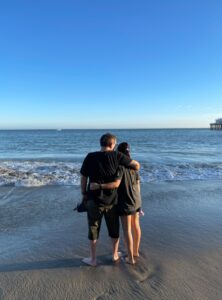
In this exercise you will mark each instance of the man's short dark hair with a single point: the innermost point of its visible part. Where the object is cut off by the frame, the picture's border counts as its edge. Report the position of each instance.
(107, 139)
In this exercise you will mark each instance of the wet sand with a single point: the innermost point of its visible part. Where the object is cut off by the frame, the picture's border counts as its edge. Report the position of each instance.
(42, 242)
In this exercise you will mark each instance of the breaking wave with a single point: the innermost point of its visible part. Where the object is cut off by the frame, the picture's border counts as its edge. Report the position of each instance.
(36, 173)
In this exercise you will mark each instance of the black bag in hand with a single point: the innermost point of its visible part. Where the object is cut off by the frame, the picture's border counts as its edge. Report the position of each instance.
(81, 207)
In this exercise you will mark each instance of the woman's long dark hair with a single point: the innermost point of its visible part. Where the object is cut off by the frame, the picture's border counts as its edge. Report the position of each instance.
(124, 148)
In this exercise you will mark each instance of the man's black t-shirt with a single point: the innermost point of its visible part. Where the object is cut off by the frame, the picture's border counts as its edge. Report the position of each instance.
(101, 167)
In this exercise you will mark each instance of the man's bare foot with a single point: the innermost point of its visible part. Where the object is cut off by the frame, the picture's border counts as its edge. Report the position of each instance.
(129, 261)
(136, 254)
(89, 261)
(117, 256)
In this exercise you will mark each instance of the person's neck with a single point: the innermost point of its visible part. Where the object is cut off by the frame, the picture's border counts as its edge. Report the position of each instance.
(106, 149)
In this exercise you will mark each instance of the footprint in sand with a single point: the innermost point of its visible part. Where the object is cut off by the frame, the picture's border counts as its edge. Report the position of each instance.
(151, 276)
(140, 272)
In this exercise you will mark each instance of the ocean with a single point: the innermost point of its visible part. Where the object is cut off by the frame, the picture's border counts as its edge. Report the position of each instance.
(54, 157)
(43, 241)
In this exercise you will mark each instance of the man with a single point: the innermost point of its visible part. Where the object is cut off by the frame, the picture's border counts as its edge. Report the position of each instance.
(101, 167)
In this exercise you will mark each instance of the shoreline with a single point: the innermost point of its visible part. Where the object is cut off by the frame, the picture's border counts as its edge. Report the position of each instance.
(43, 242)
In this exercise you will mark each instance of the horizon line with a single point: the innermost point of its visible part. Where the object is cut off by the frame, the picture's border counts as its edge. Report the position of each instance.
(123, 128)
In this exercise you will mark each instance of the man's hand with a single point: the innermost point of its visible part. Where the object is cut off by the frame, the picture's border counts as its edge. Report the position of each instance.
(94, 186)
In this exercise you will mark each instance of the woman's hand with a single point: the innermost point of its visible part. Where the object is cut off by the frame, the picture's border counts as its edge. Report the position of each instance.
(94, 186)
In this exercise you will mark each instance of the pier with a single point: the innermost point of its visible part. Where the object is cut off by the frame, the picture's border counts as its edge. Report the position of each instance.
(217, 125)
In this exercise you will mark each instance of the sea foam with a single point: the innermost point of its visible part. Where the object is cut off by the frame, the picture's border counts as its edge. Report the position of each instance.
(39, 173)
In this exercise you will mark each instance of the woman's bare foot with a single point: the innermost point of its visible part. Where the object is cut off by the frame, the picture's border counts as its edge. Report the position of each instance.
(129, 261)
(89, 261)
(136, 254)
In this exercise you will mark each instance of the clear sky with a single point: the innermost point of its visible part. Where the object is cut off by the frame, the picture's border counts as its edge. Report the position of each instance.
(110, 64)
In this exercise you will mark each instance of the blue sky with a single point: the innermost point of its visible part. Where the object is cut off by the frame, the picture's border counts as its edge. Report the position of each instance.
(110, 64)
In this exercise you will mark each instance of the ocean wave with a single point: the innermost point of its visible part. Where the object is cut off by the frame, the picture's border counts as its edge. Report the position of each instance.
(35, 173)
(39, 173)
(183, 171)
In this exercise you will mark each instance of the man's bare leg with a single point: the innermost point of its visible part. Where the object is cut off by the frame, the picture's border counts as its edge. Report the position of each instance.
(115, 244)
(91, 261)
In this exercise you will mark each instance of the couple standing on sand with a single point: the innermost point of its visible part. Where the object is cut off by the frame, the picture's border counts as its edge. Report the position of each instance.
(102, 172)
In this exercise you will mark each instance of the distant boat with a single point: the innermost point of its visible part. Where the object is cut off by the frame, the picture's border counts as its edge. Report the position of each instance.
(59, 129)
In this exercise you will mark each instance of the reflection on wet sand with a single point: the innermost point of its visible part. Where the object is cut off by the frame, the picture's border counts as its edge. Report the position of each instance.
(43, 241)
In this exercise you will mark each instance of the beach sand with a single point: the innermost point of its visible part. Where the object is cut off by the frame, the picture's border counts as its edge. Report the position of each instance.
(42, 242)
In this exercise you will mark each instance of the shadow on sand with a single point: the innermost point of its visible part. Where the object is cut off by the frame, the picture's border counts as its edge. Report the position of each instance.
(40, 265)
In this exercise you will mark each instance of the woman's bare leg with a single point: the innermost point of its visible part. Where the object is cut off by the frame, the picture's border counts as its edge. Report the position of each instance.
(126, 224)
(136, 233)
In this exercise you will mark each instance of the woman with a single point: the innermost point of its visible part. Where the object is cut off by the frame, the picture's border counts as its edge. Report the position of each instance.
(129, 204)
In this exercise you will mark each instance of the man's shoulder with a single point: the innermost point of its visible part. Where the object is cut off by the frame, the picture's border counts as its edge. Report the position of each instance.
(92, 154)
(101, 154)
(112, 153)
